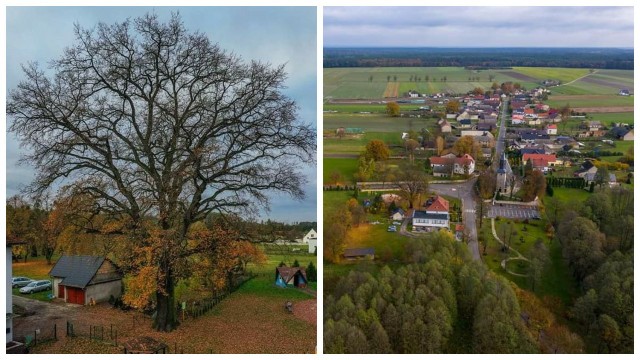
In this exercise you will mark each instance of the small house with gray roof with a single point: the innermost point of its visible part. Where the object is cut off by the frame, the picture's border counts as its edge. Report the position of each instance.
(85, 279)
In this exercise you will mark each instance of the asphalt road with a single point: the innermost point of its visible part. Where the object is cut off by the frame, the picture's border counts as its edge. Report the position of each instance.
(501, 134)
(464, 192)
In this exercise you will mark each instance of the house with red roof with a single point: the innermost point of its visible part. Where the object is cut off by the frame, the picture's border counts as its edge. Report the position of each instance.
(552, 129)
(450, 164)
(434, 217)
(541, 162)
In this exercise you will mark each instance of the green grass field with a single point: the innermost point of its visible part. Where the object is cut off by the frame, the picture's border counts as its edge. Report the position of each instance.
(589, 101)
(565, 75)
(376, 122)
(346, 167)
(349, 145)
(263, 284)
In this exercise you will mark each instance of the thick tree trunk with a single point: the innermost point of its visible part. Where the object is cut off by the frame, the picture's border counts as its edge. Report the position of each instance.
(166, 316)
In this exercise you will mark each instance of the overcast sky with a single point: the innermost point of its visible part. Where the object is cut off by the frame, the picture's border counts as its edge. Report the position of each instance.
(478, 26)
(277, 35)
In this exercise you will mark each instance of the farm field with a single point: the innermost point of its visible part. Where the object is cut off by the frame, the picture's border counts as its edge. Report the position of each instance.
(371, 83)
(376, 122)
(590, 101)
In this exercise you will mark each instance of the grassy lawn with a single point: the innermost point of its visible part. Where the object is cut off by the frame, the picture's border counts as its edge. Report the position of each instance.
(346, 167)
(354, 145)
(42, 295)
(568, 195)
(331, 200)
(35, 268)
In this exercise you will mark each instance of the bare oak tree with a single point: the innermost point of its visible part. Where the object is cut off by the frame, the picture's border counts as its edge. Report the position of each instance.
(155, 122)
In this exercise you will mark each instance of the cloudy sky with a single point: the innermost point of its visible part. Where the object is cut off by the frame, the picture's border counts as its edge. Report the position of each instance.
(277, 35)
(478, 26)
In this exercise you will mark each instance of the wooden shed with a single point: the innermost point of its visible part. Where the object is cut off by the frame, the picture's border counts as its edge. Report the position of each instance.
(85, 279)
(291, 276)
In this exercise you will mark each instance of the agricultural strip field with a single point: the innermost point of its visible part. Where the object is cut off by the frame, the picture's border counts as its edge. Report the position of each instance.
(372, 83)
(377, 83)
(565, 75)
(377, 122)
(591, 101)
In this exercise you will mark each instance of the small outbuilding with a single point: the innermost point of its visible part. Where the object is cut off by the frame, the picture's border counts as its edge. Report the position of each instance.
(85, 279)
(359, 254)
(397, 215)
(291, 276)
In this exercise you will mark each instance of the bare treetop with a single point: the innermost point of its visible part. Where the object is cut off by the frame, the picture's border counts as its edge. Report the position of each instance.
(150, 118)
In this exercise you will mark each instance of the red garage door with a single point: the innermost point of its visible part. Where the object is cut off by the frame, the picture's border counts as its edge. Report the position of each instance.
(75, 296)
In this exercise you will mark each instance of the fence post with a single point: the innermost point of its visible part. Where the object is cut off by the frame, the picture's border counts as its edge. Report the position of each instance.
(102, 327)
(35, 338)
(116, 337)
(111, 331)
(55, 331)
(90, 330)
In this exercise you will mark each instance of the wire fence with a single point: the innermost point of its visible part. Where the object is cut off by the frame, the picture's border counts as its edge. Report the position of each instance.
(202, 307)
(39, 336)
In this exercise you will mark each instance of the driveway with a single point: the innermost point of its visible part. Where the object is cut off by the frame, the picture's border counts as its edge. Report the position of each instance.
(41, 315)
(464, 192)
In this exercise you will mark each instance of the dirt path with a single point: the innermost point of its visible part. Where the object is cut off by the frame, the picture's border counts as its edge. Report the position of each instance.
(504, 262)
(581, 77)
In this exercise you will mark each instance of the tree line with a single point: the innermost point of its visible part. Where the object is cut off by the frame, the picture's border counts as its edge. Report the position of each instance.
(597, 243)
(415, 307)
(487, 58)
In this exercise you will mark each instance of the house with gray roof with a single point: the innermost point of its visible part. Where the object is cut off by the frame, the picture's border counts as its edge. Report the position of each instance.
(85, 279)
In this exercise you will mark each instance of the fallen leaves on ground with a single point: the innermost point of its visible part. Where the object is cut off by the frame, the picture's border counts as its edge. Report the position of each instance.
(242, 323)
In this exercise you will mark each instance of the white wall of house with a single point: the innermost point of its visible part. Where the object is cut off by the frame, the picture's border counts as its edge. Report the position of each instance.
(9, 295)
(313, 244)
(310, 235)
(101, 292)
(55, 283)
(397, 216)
(418, 222)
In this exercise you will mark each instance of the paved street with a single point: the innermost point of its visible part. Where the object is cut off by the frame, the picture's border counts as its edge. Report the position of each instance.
(464, 192)
(514, 211)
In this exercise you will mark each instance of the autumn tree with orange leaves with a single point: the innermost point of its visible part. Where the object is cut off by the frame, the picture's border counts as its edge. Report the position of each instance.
(160, 128)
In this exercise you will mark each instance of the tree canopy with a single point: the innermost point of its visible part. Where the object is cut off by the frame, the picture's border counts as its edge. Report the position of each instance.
(150, 120)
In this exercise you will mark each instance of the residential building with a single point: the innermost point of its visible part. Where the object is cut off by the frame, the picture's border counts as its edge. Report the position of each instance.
(11, 345)
(450, 164)
(311, 235)
(541, 162)
(434, 217)
(445, 127)
(552, 129)
(397, 215)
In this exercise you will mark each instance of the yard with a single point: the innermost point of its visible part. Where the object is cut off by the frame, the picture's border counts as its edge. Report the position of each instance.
(250, 320)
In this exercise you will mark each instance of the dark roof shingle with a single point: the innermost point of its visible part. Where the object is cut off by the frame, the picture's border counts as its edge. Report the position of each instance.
(77, 271)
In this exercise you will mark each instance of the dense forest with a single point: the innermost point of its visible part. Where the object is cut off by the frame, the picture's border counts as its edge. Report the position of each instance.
(440, 300)
(480, 58)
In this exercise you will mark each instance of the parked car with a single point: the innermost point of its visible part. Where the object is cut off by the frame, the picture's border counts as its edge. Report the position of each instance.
(391, 228)
(20, 281)
(36, 286)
